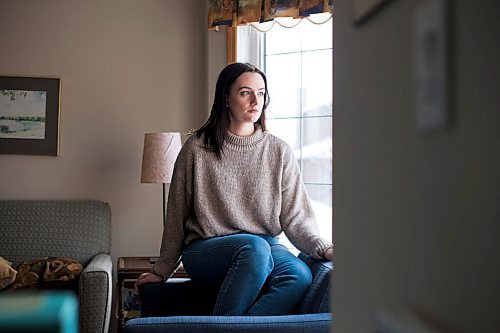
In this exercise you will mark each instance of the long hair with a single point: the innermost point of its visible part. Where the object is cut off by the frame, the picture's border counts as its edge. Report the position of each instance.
(216, 126)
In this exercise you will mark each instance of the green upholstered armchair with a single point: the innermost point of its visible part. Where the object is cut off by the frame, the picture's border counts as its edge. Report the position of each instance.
(76, 229)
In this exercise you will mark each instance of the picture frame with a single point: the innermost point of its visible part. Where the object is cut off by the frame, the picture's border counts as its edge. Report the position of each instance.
(29, 115)
(365, 9)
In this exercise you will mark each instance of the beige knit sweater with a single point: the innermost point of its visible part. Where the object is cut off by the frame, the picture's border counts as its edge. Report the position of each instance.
(256, 188)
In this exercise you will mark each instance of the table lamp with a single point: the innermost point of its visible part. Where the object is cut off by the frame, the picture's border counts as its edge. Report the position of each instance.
(158, 158)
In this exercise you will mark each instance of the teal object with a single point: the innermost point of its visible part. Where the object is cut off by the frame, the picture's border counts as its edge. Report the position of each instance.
(43, 312)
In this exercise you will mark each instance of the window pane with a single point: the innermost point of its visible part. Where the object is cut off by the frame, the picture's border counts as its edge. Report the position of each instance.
(317, 36)
(282, 40)
(298, 66)
(288, 130)
(317, 83)
(317, 150)
(283, 75)
(321, 198)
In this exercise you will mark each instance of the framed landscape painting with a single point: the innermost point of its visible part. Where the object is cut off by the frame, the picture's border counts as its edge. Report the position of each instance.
(29, 115)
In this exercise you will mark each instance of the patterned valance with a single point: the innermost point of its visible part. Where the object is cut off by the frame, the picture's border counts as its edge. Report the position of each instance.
(242, 12)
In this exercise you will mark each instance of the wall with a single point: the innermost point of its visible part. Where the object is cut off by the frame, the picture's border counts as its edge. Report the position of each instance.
(217, 60)
(416, 215)
(127, 68)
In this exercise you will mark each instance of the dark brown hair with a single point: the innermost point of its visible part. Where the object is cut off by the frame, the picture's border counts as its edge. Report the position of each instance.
(215, 128)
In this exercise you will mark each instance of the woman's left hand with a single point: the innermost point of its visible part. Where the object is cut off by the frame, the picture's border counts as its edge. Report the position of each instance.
(328, 254)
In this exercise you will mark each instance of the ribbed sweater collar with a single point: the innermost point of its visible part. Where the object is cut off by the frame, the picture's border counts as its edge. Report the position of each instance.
(244, 143)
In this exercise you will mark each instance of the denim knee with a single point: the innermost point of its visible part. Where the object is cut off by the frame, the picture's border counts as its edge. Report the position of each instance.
(302, 277)
(255, 253)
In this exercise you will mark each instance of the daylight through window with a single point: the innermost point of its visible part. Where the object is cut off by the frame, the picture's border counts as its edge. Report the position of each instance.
(298, 64)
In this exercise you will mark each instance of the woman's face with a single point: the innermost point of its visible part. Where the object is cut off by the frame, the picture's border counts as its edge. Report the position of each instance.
(246, 99)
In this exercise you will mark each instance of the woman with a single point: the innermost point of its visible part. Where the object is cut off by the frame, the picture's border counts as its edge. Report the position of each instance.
(235, 188)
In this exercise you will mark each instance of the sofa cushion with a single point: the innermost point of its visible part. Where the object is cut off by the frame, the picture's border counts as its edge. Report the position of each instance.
(77, 229)
(7, 273)
(316, 322)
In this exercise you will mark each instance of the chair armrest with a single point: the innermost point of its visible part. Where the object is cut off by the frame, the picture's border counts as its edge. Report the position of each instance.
(317, 322)
(317, 298)
(176, 297)
(95, 290)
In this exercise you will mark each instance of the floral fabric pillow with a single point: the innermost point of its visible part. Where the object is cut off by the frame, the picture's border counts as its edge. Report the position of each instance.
(7, 273)
(29, 274)
(48, 273)
(61, 273)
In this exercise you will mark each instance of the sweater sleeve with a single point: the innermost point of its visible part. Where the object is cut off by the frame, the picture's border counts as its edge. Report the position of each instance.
(179, 208)
(297, 216)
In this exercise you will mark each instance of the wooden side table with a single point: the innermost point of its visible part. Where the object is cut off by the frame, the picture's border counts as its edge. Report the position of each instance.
(128, 270)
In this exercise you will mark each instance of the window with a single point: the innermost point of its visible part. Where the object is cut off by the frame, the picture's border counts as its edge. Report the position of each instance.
(298, 64)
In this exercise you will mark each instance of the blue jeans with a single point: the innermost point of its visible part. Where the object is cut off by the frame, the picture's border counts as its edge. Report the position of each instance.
(256, 274)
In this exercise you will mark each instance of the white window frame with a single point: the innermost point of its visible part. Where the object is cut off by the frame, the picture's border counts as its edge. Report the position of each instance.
(247, 46)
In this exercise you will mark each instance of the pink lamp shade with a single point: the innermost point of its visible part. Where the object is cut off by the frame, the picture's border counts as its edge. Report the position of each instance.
(159, 155)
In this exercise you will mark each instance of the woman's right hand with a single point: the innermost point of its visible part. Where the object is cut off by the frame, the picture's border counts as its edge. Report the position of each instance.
(329, 253)
(147, 278)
